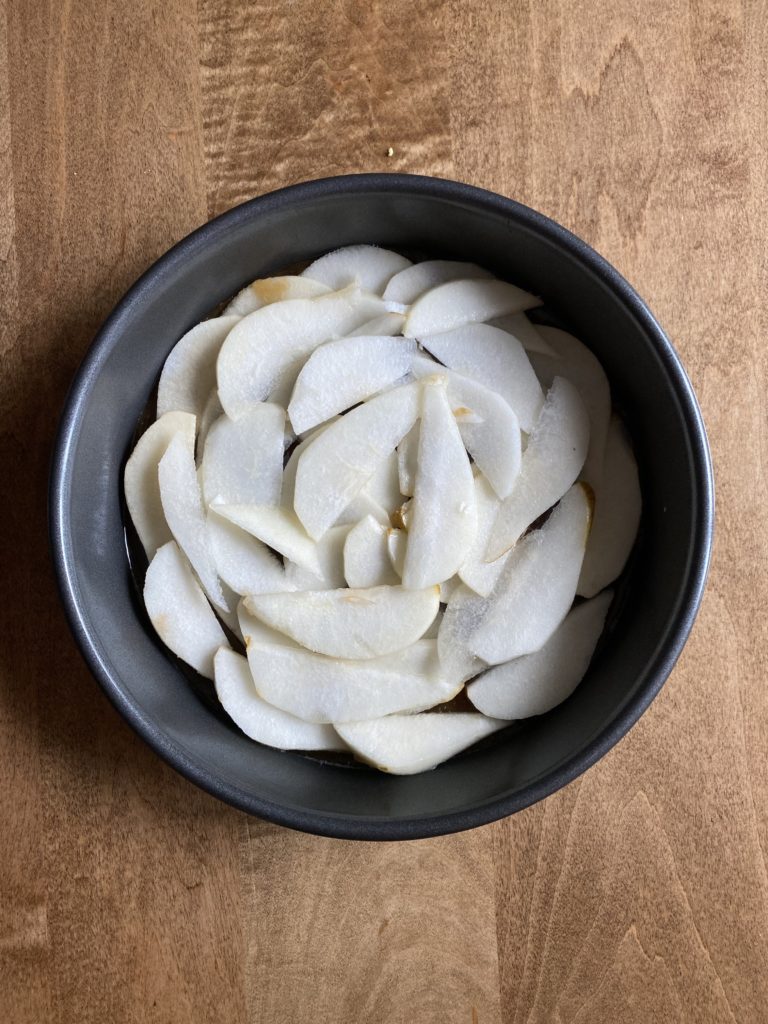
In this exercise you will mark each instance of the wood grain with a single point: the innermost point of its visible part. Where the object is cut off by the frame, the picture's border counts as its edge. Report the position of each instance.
(640, 893)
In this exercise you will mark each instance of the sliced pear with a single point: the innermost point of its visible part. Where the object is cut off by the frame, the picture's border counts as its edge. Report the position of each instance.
(365, 265)
(264, 352)
(141, 484)
(397, 542)
(443, 513)
(276, 527)
(339, 462)
(407, 744)
(618, 505)
(528, 334)
(478, 574)
(343, 373)
(350, 623)
(461, 302)
(178, 610)
(254, 631)
(538, 682)
(464, 613)
(330, 555)
(434, 629)
(537, 585)
(411, 283)
(495, 359)
(387, 325)
(407, 454)
(185, 515)
(211, 412)
(319, 689)
(243, 458)
(360, 507)
(488, 426)
(384, 485)
(245, 564)
(189, 373)
(366, 556)
(259, 720)
(551, 462)
(267, 290)
(447, 588)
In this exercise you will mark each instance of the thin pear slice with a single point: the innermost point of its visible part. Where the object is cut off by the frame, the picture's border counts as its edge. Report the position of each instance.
(478, 574)
(537, 585)
(495, 359)
(365, 265)
(407, 454)
(141, 484)
(488, 426)
(189, 373)
(340, 461)
(245, 564)
(319, 689)
(185, 515)
(397, 543)
(387, 325)
(574, 361)
(463, 616)
(266, 290)
(259, 720)
(349, 623)
(443, 513)
(407, 744)
(538, 682)
(330, 555)
(254, 631)
(178, 610)
(211, 412)
(343, 373)
(411, 283)
(278, 528)
(384, 485)
(366, 556)
(461, 302)
(264, 352)
(243, 458)
(551, 462)
(528, 334)
(618, 504)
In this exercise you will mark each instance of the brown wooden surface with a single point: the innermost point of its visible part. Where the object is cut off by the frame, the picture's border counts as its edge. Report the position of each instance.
(639, 894)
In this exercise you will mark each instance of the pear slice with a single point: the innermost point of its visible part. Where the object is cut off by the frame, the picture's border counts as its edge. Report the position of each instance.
(411, 283)
(488, 426)
(495, 359)
(365, 265)
(538, 682)
(254, 631)
(387, 325)
(319, 689)
(259, 720)
(266, 290)
(461, 302)
(339, 462)
(330, 555)
(185, 515)
(618, 505)
(349, 623)
(189, 373)
(464, 613)
(276, 527)
(407, 744)
(551, 462)
(141, 485)
(178, 610)
(366, 556)
(443, 514)
(478, 574)
(537, 585)
(407, 454)
(211, 412)
(243, 458)
(528, 334)
(264, 351)
(574, 361)
(243, 563)
(343, 373)
(384, 485)
(397, 542)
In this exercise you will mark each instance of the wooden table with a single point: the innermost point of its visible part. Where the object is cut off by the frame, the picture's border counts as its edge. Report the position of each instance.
(639, 893)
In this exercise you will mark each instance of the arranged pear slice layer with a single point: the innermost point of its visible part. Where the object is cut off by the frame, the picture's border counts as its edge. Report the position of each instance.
(243, 459)
(617, 514)
(262, 721)
(349, 623)
(407, 744)
(366, 556)
(538, 682)
(551, 462)
(178, 610)
(189, 372)
(443, 514)
(277, 528)
(365, 265)
(243, 563)
(141, 484)
(320, 689)
(342, 373)
(462, 302)
(339, 462)
(411, 283)
(266, 290)
(538, 584)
